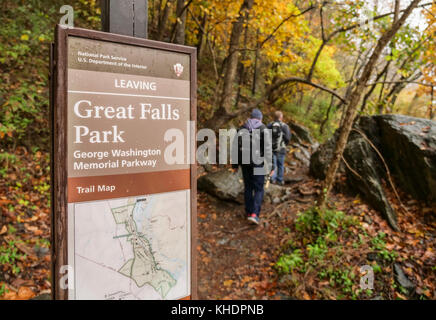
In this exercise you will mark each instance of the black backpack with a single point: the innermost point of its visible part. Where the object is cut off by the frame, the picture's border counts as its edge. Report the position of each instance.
(246, 148)
(277, 136)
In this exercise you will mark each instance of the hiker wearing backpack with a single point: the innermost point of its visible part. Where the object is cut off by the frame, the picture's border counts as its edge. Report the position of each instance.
(255, 158)
(281, 135)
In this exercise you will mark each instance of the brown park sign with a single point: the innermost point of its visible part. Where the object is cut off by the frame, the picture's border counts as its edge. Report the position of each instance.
(124, 206)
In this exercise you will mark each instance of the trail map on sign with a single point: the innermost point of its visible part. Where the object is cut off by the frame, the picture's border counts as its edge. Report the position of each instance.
(138, 245)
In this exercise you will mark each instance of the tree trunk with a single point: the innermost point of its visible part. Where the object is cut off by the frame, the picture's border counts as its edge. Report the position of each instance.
(153, 13)
(391, 97)
(381, 100)
(180, 23)
(353, 101)
(156, 20)
(225, 104)
(233, 56)
(256, 58)
(326, 119)
(300, 100)
(430, 107)
(310, 103)
(412, 103)
(369, 93)
(201, 36)
(164, 19)
(241, 69)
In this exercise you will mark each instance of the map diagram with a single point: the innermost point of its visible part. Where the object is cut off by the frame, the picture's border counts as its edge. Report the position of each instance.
(132, 248)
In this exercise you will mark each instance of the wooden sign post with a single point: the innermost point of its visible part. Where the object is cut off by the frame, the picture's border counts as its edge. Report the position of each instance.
(123, 197)
(127, 17)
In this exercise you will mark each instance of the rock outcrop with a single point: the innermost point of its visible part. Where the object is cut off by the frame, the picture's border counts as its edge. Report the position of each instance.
(223, 184)
(408, 146)
(228, 186)
(301, 134)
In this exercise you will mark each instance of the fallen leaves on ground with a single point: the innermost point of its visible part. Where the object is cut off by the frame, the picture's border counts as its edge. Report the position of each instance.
(237, 264)
(25, 226)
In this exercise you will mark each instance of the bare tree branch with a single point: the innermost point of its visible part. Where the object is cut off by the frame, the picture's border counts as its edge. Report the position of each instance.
(283, 22)
(322, 24)
(282, 82)
(348, 28)
(404, 81)
(353, 26)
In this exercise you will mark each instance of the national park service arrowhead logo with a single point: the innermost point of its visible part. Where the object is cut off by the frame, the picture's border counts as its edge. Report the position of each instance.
(178, 69)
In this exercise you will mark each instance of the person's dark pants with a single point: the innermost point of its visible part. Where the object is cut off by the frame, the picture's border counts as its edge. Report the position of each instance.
(279, 165)
(253, 194)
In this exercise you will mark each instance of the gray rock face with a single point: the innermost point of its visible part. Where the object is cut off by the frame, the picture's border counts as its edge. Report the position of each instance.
(44, 296)
(408, 146)
(41, 251)
(402, 279)
(228, 186)
(321, 158)
(301, 154)
(223, 184)
(274, 191)
(302, 134)
(361, 157)
(293, 179)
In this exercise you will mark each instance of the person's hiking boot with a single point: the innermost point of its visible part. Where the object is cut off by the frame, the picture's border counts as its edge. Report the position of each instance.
(253, 218)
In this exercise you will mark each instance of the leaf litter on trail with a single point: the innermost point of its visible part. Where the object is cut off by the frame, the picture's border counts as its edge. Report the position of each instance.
(250, 266)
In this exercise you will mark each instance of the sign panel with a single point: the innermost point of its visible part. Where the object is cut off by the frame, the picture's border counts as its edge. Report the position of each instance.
(123, 195)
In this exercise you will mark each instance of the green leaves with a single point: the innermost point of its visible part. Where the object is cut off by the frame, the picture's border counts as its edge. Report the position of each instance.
(318, 250)
(9, 255)
(288, 262)
(27, 30)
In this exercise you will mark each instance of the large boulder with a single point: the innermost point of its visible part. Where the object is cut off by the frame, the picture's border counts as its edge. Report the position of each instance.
(301, 134)
(301, 153)
(321, 158)
(408, 146)
(223, 184)
(227, 185)
(366, 178)
(302, 144)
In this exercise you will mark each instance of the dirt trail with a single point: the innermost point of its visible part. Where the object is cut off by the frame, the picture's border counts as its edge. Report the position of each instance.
(235, 258)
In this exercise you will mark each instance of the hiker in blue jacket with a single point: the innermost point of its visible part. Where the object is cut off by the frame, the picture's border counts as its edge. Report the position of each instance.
(281, 135)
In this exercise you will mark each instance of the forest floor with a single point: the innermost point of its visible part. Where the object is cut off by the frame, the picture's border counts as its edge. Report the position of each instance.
(240, 261)
(236, 258)
(275, 260)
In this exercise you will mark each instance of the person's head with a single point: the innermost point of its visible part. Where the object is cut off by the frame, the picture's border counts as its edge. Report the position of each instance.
(256, 114)
(278, 116)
